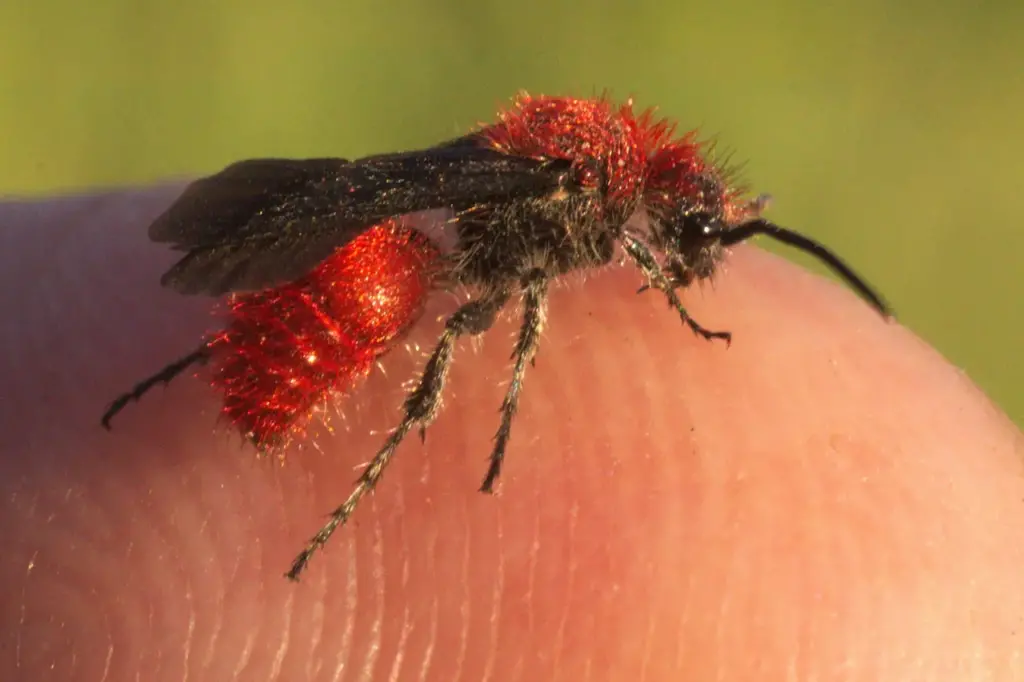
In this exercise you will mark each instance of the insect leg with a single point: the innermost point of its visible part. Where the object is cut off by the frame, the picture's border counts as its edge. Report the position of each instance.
(647, 263)
(535, 294)
(164, 376)
(420, 408)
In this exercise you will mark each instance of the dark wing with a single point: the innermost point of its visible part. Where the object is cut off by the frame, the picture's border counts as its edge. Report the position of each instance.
(265, 222)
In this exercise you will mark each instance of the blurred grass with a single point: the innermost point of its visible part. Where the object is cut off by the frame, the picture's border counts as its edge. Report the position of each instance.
(891, 132)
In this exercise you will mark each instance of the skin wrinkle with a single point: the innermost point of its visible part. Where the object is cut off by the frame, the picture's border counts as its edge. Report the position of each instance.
(435, 607)
(285, 639)
(564, 607)
(189, 635)
(106, 664)
(494, 618)
(925, 503)
(343, 652)
(405, 551)
(531, 581)
(465, 605)
(245, 655)
(211, 647)
(377, 585)
(314, 662)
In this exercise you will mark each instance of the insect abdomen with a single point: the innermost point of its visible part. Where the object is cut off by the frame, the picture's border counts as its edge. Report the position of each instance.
(287, 350)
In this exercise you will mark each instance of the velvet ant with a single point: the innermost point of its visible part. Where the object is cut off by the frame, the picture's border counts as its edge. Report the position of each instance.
(326, 275)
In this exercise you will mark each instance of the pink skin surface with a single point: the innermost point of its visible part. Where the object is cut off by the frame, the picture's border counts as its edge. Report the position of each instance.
(825, 500)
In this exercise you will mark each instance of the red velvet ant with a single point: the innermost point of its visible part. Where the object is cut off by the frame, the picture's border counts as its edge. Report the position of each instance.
(326, 275)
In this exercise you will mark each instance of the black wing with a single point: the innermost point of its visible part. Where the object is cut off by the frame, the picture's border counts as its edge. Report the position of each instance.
(265, 222)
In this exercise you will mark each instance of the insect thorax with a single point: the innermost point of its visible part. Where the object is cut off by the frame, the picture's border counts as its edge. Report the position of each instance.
(555, 234)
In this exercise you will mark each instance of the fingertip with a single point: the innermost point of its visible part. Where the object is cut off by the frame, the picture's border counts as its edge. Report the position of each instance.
(664, 499)
(804, 468)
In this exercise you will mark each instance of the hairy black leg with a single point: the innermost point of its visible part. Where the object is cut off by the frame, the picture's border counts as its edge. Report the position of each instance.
(646, 261)
(164, 376)
(420, 408)
(674, 274)
(535, 293)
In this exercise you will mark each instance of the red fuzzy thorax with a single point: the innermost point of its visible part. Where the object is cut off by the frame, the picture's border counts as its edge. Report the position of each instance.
(639, 154)
(588, 132)
(287, 351)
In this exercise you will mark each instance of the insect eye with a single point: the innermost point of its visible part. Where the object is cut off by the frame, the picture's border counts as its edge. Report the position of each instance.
(687, 229)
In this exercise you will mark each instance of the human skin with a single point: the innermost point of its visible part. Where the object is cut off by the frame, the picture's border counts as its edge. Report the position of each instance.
(827, 499)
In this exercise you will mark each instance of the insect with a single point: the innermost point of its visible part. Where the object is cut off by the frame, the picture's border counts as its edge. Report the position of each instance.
(326, 273)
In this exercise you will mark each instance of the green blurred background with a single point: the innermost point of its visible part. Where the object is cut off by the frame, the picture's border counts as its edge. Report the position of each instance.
(890, 131)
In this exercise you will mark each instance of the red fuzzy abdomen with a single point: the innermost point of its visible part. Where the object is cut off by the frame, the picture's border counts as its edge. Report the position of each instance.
(287, 351)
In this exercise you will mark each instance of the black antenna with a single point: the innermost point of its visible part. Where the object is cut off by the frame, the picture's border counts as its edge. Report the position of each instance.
(743, 232)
